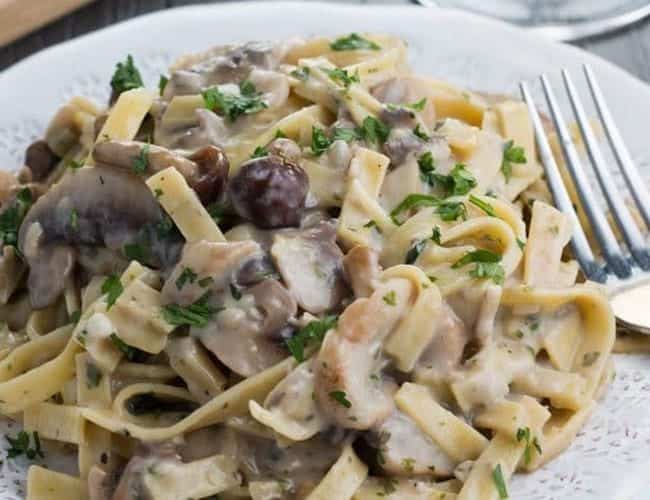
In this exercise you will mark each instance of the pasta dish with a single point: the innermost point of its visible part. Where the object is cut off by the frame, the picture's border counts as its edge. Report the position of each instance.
(295, 270)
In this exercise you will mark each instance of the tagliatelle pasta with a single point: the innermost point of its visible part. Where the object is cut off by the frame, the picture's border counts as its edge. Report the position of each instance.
(298, 271)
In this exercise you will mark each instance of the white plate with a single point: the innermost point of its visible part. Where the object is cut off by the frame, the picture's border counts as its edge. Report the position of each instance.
(611, 456)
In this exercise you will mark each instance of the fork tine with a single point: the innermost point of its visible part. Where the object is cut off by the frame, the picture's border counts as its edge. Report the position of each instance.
(631, 173)
(579, 243)
(611, 249)
(624, 220)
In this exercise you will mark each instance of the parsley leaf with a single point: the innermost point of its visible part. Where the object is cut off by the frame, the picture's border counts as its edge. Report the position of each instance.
(162, 84)
(217, 211)
(112, 286)
(301, 73)
(427, 166)
(524, 434)
(511, 154)
(20, 445)
(390, 298)
(12, 217)
(312, 333)
(135, 251)
(130, 352)
(353, 41)
(590, 358)
(414, 201)
(346, 134)
(483, 205)
(415, 251)
(421, 134)
(342, 77)
(319, 141)
(460, 180)
(487, 265)
(73, 164)
(186, 276)
(197, 314)
(499, 483)
(521, 244)
(259, 152)
(126, 77)
(435, 237)
(248, 101)
(340, 398)
(451, 210)
(374, 130)
(235, 291)
(141, 162)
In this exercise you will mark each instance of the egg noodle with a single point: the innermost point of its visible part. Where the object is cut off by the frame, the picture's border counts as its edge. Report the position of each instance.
(295, 270)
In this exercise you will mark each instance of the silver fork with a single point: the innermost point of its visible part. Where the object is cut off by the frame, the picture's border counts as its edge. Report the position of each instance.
(626, 270)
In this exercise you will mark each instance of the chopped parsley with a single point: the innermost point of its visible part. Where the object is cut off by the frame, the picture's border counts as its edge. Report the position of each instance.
(301, 73)
(20, 445)
(346, 134)
(372, 223)
(499, 483)
(130, 352)
(74, 219)
(186, 276)
(419, 133)
(12, 217)
(374, 130)
(483, 205)
(207, 281)
(141, 162)
(521, 244)
(231, 105)
(417, 106)
(415, 251)
(590, 358)
(126, 77)
(136, 251)
(280, 135)
(73, 164)
(196, 314)
(217, 211)
(162, 84)
(487, 265)
(93, 375)
(319, 141)
(353, 41)
(312, 333)
(451, 210)
(259, 152)
(524, 434)
(113, 288)
(75, 317)
(435, 237)
(235, 292)
(390, 298)
(340, 398)
(511, 154)
(460, 181)
(408, 464)
(342, 77)
(427, 167)
(414, 201)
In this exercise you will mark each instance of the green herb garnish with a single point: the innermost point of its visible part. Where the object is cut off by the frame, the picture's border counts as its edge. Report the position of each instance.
(231, 105)
(319, 141)
(435, 237)
(346, 134)
(340, 398)
(342, 77)
(427, 167)
(590, 358)
(113, 288)
(135, 251)
(141, 162)
(73, 164)
(259, 152)
(197, 314)
(301, 73)
(126, 77)
(499, 483)
(20, 446)
(310, 334)
(524, 434)
(12, 217)
(353, 41)
(374, 130)
(415, 251)
(511, 154)
(390, 298)
(483, 205)
(521, 244)
(421, 134)
(487, 265)
(235, 291)
(162, 84)
(130, 352)
(186, 276)
(451, 210)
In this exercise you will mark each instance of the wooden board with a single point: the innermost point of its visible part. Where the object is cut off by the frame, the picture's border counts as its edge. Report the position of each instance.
(19, 17)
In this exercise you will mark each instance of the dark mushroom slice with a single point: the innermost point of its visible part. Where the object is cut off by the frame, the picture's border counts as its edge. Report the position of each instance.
(310, 263)
(40, 160)
(244, 336)
(91, 207)
(404, 450)
(269, 191)
(285, 148)
(206, 170)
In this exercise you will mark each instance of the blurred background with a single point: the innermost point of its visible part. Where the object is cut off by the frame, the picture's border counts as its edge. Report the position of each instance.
(618, 30)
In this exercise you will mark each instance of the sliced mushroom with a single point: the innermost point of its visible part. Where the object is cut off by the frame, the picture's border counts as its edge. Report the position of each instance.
(407, 451)
(206, 170)
(285, 148)
(310, 263)
(40, 159)
(400, 144)
(348, 384)
(244, 336)
(362, 269)
(206, 266)
(94, 206)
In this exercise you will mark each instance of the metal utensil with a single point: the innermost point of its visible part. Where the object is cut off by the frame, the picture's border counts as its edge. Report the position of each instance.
(572, 31)
(626, 273)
